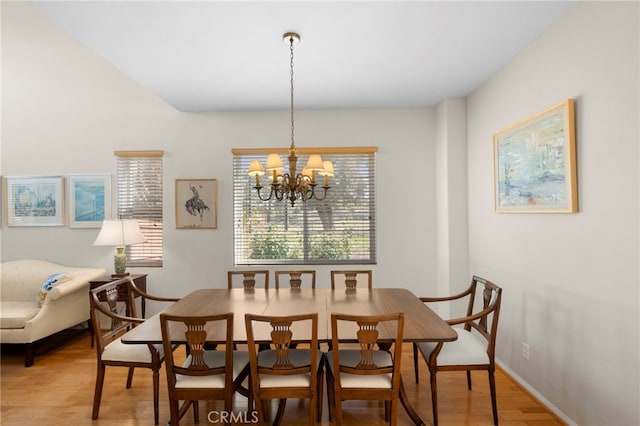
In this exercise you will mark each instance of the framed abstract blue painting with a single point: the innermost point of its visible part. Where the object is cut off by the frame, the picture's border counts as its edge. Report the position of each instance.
(89, 200)
(534, 163)
(34, 200)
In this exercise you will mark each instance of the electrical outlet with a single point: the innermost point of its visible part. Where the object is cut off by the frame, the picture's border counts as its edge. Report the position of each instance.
(526, 351)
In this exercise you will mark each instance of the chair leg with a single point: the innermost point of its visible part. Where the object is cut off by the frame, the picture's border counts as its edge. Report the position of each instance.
(97, 394)
(174, 408)
(394, 412)
(320, 391)
(130, 377)
(494, 403)
(156, 393)
(338, 411)
(469, 379)
(434, 398)
(313, 410)
(415, 362)
(266, 408)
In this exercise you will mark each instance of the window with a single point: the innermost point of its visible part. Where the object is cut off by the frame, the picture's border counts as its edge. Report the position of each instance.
(339, 229)
(139, 183)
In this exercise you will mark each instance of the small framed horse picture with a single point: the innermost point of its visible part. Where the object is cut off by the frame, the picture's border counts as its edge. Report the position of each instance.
(196, 203)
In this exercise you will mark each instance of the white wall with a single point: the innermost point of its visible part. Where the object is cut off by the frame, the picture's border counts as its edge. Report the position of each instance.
(570, 280)
(71, 108)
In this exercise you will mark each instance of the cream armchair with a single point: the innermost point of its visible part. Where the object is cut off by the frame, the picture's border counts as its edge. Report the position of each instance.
(23, 319)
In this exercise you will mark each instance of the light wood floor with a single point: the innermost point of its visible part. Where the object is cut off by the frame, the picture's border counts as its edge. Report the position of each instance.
(58, 390)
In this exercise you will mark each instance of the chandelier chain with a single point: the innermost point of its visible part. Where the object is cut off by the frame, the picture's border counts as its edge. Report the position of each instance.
(291, 87)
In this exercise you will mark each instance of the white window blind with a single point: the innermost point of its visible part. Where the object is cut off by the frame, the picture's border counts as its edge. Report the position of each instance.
(338, 230)
(139, 184)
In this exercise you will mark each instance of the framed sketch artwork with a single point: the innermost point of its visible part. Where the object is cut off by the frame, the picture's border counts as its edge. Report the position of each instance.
(535, 163)
(89, 200)
(196, 203)
(34, 201)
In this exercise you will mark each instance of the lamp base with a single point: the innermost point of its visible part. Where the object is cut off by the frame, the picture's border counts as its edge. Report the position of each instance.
(120, 261)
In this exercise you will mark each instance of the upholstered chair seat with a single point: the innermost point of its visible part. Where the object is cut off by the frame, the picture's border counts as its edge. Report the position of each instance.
(468, 349)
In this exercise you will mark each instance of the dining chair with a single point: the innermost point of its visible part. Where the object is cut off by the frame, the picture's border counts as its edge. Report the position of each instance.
(296, 278)
(475, 347)
(204, 375)
(104, 311)
(248, 279)
(351, 279)
(364, 373)
(283, 372)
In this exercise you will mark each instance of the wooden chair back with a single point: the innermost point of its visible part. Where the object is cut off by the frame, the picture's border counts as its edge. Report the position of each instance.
(205, 375)
(248, 279)
(376, 362)
(483, 299)
(351, 279)
(281, 372)
(296, 278)
(106, 304)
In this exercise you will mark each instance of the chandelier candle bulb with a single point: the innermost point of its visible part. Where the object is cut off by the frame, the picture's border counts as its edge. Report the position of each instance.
(327, 171)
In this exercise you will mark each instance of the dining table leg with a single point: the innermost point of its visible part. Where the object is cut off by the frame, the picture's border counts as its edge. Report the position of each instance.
(404, 400)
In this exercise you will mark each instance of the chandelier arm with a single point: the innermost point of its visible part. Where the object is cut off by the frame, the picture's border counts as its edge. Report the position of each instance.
(324, 195)
(279, 191)
(258, 189)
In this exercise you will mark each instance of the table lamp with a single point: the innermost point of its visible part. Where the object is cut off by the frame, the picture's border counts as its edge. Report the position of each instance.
(119, 233)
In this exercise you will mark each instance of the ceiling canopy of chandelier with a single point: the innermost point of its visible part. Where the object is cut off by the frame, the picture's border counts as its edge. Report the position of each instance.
(292, 186)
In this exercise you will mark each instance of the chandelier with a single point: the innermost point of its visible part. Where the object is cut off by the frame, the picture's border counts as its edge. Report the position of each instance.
(292, 186)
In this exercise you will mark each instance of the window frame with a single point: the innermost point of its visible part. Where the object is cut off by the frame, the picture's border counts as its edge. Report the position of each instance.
(242, 156)
(150, 253)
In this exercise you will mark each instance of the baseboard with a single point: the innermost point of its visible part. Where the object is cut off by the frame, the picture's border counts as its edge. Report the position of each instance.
(562, 417)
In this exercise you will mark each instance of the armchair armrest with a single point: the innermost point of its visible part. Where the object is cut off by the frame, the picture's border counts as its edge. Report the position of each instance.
(464, 320)
(113, 315)
(134, 288)
(446, 298)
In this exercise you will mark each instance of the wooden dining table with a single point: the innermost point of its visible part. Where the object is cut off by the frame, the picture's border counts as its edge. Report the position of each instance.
(421, 324)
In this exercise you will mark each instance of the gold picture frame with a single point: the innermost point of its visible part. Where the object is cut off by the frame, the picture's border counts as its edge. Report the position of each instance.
(535, 163)
(196, 203)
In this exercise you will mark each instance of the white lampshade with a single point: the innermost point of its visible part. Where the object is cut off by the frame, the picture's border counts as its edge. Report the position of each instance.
(315, 162)
(274, 162)
(255, 168)
(122, 232)
(327, 169)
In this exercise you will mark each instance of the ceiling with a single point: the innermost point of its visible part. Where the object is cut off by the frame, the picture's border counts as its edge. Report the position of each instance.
(230, 56)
